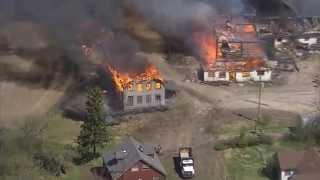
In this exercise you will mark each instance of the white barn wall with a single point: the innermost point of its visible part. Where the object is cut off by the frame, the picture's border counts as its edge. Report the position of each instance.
(216, 77)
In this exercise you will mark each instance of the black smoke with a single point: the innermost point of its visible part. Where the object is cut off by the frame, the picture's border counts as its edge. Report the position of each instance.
(62, 16)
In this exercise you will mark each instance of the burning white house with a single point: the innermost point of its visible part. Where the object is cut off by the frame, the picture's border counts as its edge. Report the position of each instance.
(233, 53)
(139, 91)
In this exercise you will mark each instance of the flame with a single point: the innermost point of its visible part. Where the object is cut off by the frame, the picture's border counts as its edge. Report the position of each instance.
(123, 79)
(206, 43)
(253, 63)
(249, 28)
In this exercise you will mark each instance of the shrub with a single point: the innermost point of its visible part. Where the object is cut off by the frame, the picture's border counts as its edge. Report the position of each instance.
(242, 141)
(220, 145)
(50, 164)
(270, 169)
(306, 131)
(264, 139)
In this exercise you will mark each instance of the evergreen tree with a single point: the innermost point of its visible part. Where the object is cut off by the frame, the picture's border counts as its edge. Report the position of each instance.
(94, 131)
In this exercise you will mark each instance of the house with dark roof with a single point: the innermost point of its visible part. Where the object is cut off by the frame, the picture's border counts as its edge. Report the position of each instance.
(299, 165)
(133, 160)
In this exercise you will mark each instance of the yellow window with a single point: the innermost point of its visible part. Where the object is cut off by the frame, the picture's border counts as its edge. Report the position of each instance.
(148, 86)
(158, 85)
(139, 87)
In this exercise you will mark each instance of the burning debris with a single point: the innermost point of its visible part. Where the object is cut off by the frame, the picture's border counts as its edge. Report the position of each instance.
(232, 52)
(138, 91)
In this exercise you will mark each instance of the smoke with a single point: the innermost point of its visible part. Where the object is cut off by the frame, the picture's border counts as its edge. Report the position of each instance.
(63, 17)
(176, 16)
(183, 18)
(67, 19)
(120, 51)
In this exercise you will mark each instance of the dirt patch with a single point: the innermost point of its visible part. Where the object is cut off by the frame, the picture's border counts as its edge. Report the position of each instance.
(20, 102)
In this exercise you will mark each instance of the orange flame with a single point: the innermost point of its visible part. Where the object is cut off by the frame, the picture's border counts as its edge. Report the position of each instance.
(122, 80)
(249, 28)
(207, 45)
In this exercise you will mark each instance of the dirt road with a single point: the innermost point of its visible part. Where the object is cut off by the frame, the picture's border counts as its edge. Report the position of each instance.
(295, 94)
(200, 109)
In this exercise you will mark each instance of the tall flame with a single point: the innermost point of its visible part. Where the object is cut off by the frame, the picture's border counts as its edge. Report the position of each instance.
(122, 79)
(206, 43)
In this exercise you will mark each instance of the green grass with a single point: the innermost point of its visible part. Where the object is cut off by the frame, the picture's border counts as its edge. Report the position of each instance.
(169, 166)
(55, 135)
(247, 163)
(61, 130)
(235, 128)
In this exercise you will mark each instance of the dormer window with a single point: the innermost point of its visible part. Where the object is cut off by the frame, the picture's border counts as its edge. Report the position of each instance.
(145, 167)
(141, 149)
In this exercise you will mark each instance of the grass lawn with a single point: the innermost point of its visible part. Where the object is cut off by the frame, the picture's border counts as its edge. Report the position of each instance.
(247, 163)
(61, 130)
(168, 165)
(51, 136)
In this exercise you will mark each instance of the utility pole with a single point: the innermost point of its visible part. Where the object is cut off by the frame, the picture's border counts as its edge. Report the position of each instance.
(316, 82)
(258, 118)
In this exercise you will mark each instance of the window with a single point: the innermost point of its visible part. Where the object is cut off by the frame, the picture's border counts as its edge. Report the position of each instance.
(148, 99)
(211, 74)
(134, 169)
(145, 167)
(148, 86)
(222, 74)
(246, 74)
(139, 87)
(139, 99)
(158, 99)
(288, 173)
(130, 101)
(158, 85)
(260, 73)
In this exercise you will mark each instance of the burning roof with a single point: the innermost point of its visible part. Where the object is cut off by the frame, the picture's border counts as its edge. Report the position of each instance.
(230, 40)
(124, 79)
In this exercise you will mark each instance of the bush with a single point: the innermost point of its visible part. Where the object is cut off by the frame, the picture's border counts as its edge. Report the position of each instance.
(221, 145)
(242, 141)
(270, 169)
(264, 139)
(50, 164)
(306, 132)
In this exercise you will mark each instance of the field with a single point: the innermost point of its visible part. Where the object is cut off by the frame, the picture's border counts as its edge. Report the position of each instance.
(247, 163)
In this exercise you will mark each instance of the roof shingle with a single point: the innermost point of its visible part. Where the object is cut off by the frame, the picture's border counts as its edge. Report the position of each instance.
(127, 154)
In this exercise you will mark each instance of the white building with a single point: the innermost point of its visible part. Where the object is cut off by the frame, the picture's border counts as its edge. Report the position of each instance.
(299, 165)
(143, 94)
(236, 72)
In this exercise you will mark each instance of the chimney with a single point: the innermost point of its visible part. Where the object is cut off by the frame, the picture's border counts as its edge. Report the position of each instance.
(121, 155)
